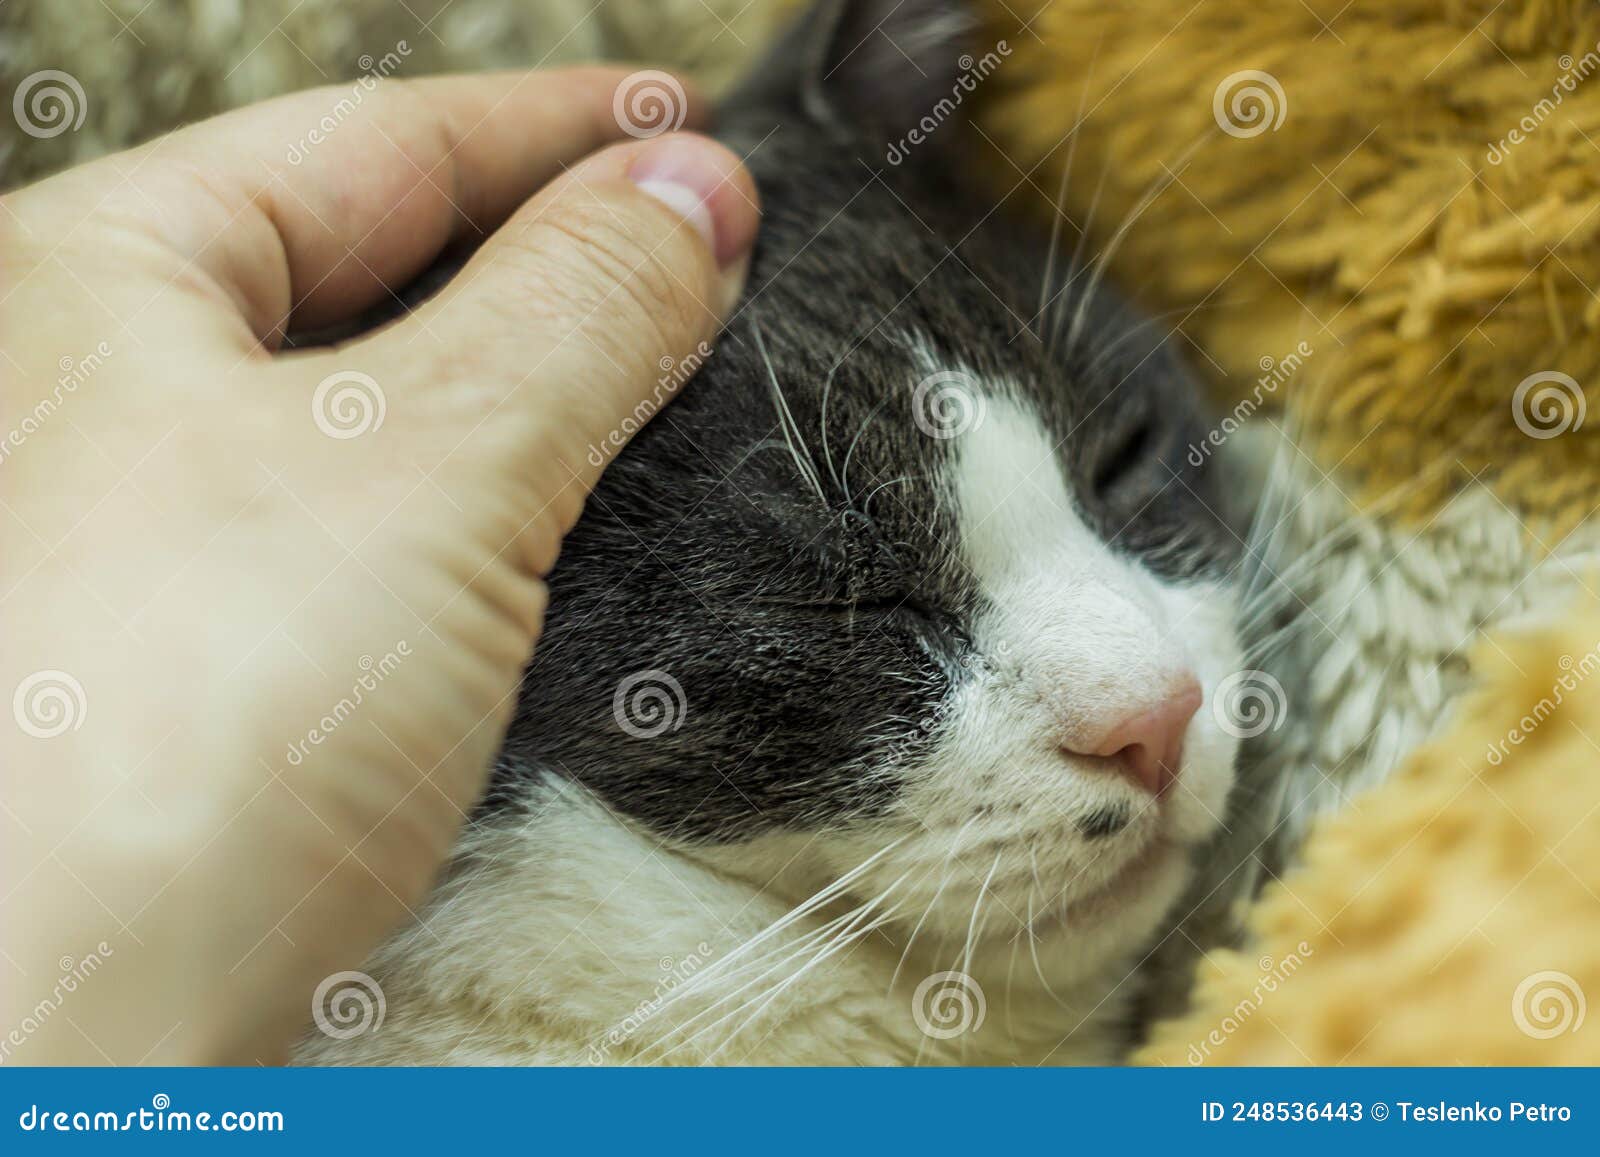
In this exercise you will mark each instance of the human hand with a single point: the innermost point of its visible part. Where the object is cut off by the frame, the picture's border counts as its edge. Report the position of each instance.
(265, 613)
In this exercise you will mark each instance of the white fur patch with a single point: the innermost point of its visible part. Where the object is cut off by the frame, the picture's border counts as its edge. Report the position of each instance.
(1093, 631)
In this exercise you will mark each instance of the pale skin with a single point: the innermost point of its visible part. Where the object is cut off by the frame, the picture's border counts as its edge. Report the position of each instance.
(216, 573)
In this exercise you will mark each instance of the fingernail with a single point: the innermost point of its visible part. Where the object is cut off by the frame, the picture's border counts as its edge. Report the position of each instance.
(688, 175)
(686, 203)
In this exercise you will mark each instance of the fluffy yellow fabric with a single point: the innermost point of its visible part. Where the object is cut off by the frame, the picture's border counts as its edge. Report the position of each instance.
(1373, 222)
(1447, 917)
(1412, 188)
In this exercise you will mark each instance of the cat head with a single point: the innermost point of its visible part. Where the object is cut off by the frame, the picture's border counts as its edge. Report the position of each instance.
(914, 584)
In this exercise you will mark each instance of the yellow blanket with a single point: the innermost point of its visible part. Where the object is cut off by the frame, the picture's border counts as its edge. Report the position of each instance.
(1411, 190)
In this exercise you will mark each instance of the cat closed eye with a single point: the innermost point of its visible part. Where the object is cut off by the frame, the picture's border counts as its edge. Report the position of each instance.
(1126, 453)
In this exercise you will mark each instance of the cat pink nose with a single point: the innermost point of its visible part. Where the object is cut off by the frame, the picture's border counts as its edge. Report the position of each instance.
(1145, 744)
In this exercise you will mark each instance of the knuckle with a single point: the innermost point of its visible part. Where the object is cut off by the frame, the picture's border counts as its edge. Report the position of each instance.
(614, 267)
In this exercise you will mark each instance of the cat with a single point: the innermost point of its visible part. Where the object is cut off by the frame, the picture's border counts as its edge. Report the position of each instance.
(874, 720)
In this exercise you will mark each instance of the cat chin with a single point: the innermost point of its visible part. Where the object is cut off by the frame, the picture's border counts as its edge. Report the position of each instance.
(1079, 928)
(573, 937)
(1122, 915)
(1028, 905)
(1091, 945)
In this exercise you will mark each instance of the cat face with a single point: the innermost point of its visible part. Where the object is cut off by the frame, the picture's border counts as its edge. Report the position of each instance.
(906, 583)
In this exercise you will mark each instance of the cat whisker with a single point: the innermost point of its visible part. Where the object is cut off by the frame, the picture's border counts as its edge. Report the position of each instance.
(975, 927)
(765, 966)
(829, 936)
(849, 453)
(972, 925)
(845, 938)
(1102, 354)
(1045, 295)
(1055, 240)
(821, 897)
(786, 420)
(1074, 268)
(1159, 185)
(822, 424)
(946, 871)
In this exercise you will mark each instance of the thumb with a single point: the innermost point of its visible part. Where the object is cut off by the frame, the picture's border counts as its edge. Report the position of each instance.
(562, 331)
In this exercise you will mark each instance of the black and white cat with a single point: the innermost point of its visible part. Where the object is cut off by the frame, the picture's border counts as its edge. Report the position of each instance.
(872, 721)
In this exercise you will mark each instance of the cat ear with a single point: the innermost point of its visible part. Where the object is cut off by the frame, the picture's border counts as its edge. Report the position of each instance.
(870, 68)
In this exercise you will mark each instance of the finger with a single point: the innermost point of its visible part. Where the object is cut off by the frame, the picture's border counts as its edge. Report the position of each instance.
(320, 203)
(564, 318)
